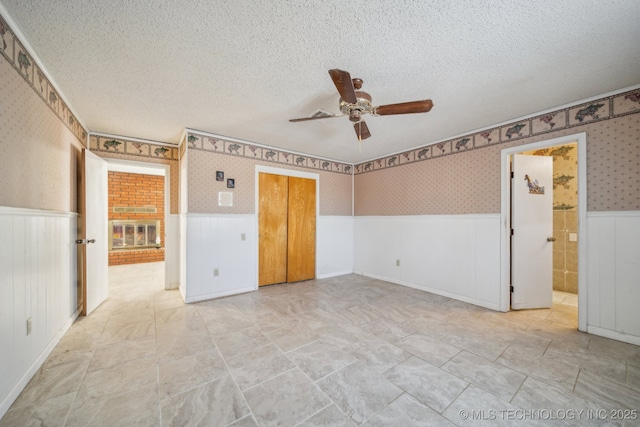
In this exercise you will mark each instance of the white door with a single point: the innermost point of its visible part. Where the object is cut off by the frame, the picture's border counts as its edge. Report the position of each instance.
(532, 224)
(95, 240)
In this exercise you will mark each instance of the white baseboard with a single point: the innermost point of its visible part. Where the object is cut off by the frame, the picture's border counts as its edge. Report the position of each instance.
(205, 297)
(339, 273)
(618, 336)
(457, 297)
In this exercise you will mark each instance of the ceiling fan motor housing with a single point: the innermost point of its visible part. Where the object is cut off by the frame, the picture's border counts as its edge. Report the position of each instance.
(363, 105)
(354, 103)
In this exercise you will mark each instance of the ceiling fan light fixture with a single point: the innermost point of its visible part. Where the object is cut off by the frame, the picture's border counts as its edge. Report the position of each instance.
(363, 105)
(354, 115)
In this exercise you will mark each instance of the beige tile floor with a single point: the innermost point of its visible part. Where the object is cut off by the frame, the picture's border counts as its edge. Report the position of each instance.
(342, 351)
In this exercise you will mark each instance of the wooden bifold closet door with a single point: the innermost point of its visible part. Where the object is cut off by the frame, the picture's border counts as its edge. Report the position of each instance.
(287, 229)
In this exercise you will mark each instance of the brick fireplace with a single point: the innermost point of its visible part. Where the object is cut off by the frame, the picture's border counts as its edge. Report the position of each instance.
(136, 218)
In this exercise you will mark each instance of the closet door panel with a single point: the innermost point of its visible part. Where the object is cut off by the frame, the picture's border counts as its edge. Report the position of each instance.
(272, 226)
(301, 247)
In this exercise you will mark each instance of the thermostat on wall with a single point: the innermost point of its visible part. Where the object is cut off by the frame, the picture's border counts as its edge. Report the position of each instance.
(225, 198)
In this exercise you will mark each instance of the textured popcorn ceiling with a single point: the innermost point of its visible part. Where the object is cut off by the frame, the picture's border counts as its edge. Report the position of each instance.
(242, 68)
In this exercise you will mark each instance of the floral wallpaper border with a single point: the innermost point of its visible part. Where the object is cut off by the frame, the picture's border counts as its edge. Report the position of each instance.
(196, 141)
(12, 49)
(119, 145)
(602, 109)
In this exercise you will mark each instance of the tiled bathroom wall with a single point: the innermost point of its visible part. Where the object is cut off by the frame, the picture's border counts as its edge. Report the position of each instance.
(565, 215)
(565, 250)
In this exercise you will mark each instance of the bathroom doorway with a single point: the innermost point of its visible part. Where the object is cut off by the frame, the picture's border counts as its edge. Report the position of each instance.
(569, 218)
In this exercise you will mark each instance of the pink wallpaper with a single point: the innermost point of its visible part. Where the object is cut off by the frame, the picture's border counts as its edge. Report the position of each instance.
(40, 154)
(460, 184)
(613, 165)
(125, 149)
(40, 138)
(238, 161)
(12, 50)
(462, 176)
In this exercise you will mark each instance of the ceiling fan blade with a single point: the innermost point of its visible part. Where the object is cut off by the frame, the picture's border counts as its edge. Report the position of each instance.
(315, 116)
(342, 80)
(404, 108)
(304, 119)
(361, 130)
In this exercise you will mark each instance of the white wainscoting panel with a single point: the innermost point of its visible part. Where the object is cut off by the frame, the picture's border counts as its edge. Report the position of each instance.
(214, 242)
(613, 275)
(38, 281)
(334, 246)
(172, 252)
(452, 255)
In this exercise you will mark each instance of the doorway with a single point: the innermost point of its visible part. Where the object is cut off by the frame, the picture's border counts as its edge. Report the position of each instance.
(165, 236)
(287, 209)
(576, 237)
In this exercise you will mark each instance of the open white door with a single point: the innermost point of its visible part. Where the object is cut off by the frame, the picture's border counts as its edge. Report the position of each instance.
(95, 241)
(532, 224)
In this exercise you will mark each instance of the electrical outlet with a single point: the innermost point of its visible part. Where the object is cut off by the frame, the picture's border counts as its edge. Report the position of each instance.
(216, 272)
(29, 326)
(397, 263)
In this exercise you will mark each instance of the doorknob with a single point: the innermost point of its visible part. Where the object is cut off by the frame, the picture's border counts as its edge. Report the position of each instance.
(551, 239)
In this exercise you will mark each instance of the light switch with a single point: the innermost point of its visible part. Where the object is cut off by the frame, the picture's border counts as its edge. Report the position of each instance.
(225, 198)
(243, 236)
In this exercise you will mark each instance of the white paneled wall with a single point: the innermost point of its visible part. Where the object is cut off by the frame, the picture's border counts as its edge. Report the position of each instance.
(452, 255)
(613, 275)
(334, 246)
(37, 281)
(214, 242)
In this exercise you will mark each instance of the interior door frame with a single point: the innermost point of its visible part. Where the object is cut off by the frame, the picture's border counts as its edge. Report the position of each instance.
(285, 172)
(505, 219)
(140, 168)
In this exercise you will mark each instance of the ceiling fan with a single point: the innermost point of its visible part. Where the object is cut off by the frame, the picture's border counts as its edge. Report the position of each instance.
(355, 103)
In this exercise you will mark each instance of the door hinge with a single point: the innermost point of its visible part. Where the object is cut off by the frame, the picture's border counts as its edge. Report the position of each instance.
(512, 231)
(512, 174)
(511, 288)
